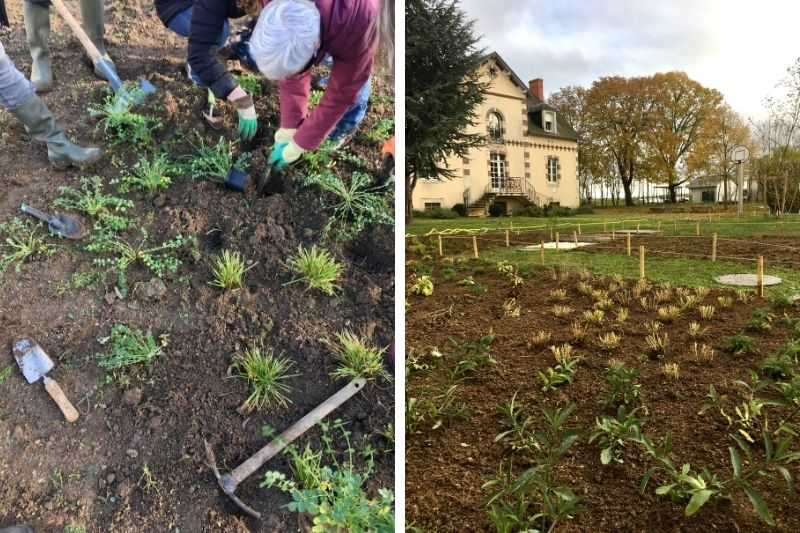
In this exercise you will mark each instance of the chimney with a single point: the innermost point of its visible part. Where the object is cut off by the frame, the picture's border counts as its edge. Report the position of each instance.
(537, 88)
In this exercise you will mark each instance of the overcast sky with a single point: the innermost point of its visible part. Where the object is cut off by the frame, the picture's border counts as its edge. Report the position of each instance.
(739, 48)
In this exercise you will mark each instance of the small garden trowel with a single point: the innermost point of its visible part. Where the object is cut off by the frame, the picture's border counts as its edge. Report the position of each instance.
(65, 226)
(35, 364)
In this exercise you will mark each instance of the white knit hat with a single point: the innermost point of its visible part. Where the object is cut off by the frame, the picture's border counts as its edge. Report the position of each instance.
(285, 38)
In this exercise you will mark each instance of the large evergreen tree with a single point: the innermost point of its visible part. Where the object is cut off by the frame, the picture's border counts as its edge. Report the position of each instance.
(442, 89)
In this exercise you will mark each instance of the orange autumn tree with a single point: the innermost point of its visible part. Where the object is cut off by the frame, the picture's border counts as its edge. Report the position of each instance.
(679, 109)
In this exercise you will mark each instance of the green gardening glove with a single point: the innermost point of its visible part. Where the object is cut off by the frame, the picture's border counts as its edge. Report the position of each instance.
(248, 119)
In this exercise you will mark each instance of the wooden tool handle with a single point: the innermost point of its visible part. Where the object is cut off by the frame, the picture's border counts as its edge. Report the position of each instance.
(77, 29)
(246, 469)
(54, 390)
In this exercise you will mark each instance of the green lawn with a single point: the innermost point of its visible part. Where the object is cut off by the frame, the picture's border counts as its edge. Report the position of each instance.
(686, 272)
(670, 223)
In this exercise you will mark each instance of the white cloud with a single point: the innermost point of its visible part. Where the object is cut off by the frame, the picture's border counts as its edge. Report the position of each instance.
(740, 48)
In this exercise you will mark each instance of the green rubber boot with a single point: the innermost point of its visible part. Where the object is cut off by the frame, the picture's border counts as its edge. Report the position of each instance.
(93, 16)
(37, 30)
(41, 125)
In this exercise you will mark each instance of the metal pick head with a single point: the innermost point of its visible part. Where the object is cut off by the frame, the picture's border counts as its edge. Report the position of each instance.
(32, 360)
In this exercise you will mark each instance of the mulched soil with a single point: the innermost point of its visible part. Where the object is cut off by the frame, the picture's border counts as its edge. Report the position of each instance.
(446, 467)
(92, 473)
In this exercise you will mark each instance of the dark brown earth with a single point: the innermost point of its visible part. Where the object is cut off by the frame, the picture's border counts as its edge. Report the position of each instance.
(446, 467)
(92, 473)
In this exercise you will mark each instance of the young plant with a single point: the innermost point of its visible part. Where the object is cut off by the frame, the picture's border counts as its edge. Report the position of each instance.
(356, 205)
(653, 326)
(510, 271)
(474, 356)
(150, 175)
(121, 124)
(160, 259)
(622, 315)
(702, 292)
(130, 346)
(739, 344)
(744, 295)
(725, 301)
(438, 410)
(608, 341)
(671, 370)
(561, 310)
(622, 386)
(696, 330)
(578, 332)
(706, 312)
(267, 375)
(251, 83)
(423, 285)
(357, 358)
(382, 130)
(106, 210)
(669, 313)
(540, 338)
(558, 295)
(319, 270)
(596, 316)
(761, 320)
(518, 429)
(562, 353)
(214, 161)
(331, 492)
(228, 271)
(612, 432)
(511, 308)
(702, 353)
(561, 374)
(22, 242)
(657, 344)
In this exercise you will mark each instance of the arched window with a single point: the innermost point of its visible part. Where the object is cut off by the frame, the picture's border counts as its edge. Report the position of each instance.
(495, 126)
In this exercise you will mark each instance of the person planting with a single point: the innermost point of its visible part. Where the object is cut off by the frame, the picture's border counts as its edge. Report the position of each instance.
(205, 24)
(37, 30)
(293, 35)
(17, 95)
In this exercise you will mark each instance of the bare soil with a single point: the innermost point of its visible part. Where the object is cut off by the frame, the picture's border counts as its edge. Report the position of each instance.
(92, 473)
(446, 467)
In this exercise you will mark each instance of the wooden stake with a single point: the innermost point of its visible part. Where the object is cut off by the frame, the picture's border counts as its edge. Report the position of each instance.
(551, 233)
(440, 246)
(697, 228)
(714, 247)
(507, 245)
(760, 275)
(628, 235)
(542, 252)
(575, 238)
(475, 246)
(659, 225)
(579, 230)
(557, 241)
(637, 228)
(641, 262)
(613, 235)
(676, 226)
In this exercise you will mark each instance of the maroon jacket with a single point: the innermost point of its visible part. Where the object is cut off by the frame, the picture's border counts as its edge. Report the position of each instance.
(349, 34)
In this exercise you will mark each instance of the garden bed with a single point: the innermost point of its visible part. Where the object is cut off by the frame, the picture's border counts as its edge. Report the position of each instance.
(452, 443)
(135, 460)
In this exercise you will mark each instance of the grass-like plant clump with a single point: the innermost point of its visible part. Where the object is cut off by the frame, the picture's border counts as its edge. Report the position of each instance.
(317, 268)
(214, 161)
(228, 271)
(21, 242)
(130, 346)
(356, 357)
(150, 175)
(267, 374)
(121, 124)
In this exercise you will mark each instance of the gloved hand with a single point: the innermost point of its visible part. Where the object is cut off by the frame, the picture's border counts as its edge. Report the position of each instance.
(248, 120)
(284, 154)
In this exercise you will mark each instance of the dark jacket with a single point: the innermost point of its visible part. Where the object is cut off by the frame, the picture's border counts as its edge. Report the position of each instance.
(208, 18)
(167, 9)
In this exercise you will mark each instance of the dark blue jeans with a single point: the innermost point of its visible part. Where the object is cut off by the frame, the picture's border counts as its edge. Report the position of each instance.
(349, 123)
(182, 25)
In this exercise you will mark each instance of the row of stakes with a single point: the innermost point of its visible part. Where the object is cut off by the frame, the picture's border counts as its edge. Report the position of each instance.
(642, 251)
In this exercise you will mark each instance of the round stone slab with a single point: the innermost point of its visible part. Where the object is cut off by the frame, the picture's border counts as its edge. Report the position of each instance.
(746, 280)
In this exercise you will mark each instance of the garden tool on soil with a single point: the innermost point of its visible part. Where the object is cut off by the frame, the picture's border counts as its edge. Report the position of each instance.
(229, 482)
(66, 226)
(35, 364)
(263, 180)
(103, 65)
(214, 122)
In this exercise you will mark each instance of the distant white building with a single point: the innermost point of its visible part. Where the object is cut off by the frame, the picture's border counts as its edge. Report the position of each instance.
(704, 190)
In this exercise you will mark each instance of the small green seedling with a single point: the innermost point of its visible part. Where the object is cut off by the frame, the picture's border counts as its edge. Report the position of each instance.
(423, 286)
(130, 346)
(22, 242)
(356, 357)
(214, 161)
(267, 375)
(382, 130)
(229, 271)
(5, 373)
(150, 175)
(250, 83)
(120, 124)
(316, 268)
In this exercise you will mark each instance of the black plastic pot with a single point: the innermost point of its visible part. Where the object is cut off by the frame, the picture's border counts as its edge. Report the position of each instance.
(236, 180)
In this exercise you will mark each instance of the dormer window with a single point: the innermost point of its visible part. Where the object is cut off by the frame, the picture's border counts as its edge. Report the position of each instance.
(549, 122)
(495, 127)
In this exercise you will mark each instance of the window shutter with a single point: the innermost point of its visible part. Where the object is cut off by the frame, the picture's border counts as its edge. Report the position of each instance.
(558, 166)
(547, 168)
